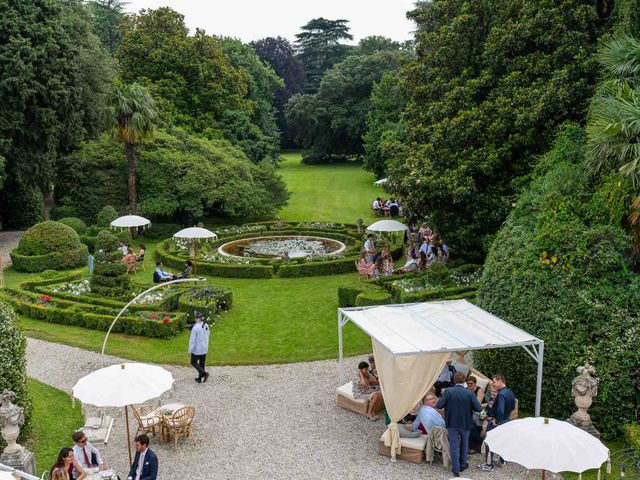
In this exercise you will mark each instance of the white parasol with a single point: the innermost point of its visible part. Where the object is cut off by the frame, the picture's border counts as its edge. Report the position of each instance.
(547, 444)
(130, 221)
(380, 182)
(123, 385)
(194, 234)
(387, 226)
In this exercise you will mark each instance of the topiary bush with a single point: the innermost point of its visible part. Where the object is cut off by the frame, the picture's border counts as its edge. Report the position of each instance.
(107, 215)
(13, 362)
(109, 273)
(558, 270)
(49, 245)
(78, 225)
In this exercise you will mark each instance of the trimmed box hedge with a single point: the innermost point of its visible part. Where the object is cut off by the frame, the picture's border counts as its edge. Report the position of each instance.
(50, 261)
(218, 269)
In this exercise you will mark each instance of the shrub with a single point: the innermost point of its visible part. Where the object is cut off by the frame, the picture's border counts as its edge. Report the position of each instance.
(632, 435)
(107, 215)
(78, 225)
(109, 273)
(24, 207)
(13, 363)
(559, 272)
(347, 296)
(49, 245)
(372, 297)
(218, 269)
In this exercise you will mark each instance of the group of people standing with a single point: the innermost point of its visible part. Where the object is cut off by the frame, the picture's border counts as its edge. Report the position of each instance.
(75, 463)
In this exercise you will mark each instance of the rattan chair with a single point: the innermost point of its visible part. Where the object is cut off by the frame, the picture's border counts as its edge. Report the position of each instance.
(148, 420)
(180, 424)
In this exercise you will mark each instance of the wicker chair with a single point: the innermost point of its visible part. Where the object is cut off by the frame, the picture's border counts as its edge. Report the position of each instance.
(148, 420)
(180, 425)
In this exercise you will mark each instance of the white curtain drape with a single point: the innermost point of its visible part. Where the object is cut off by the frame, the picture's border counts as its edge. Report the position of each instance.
(404, 380)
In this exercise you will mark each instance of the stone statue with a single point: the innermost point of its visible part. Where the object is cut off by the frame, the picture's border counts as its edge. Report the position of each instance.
(583, 388)
(359, 223)
(279, 223)
(11, 419)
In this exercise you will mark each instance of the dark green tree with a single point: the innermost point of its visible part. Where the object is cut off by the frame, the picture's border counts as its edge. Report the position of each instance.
(279, 53)
(330, 124)
(492, 81)
(320, 49)
(106, 16)
(133, 113)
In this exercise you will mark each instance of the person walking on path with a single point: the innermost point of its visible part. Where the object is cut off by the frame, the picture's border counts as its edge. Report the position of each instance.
(198, 347)
(459, 405)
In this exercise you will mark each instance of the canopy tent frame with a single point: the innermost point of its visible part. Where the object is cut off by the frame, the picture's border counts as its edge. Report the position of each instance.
(534, 348)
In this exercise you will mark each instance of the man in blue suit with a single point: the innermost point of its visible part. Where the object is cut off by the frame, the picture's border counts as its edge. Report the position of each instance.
(459, 405)
(145, 465)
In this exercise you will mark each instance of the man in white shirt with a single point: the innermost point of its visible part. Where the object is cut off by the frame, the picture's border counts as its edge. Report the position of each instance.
(370, 249)
(376, 204)
(426, 248)
(86, 454)
(123, 248)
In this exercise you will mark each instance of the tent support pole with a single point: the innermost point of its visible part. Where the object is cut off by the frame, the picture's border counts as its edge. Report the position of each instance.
(340, 354)
(539, 379)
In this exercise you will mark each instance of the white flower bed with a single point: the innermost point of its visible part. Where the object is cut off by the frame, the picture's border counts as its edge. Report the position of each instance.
(466, 278)
(320, 225)
(418, 284)
(237, 230)
(295, 247)
(216, 258)
(81, 287)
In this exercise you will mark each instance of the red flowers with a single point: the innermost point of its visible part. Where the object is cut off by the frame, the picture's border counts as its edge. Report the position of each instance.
(44, 299)
(165, 320)
(153, 317)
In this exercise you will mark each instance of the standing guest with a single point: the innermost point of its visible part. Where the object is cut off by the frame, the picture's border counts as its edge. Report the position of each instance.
(86, 454)
(370, 249)
(198, 347)
(145, 465)
(459, 405)
(427, 416)
(445, 379)
(123, 248)
(500, 413)
(365, 389)
(67, 462)
(160, 275)
(141, 251)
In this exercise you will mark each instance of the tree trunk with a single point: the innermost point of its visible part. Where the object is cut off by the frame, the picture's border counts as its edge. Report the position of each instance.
(130, 152)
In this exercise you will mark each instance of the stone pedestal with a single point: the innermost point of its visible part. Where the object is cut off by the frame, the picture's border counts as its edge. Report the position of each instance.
(584, 388)
(23, 460)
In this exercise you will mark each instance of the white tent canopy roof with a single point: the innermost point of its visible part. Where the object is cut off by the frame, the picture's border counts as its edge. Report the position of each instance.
(130, 221)
(387, 226)
(195, 232)
(382, 181)
(453, 325)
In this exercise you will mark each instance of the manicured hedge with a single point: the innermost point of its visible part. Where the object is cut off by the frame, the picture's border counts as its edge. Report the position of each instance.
(632, 435)
(77, 224)
(50, 261)
(309, 269)
(222, 296)
(439, 294)
(371, 297)
(347, 296)
(218, 269)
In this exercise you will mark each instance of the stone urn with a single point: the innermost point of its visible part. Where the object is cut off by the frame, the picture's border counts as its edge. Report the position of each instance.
(11, 419)
(583, 388)
(359, 223)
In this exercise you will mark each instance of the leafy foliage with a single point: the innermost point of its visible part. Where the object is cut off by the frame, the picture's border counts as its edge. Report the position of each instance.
(557, 269)
(492, 81)
(279, 53)
(109, 277)
(320, 48)
(13, 362)
(24, 207)
(77, 224)
(106, 16)
(106, 215)
(330, 124)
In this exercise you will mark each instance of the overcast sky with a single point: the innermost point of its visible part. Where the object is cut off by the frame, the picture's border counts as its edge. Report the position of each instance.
(254, 19)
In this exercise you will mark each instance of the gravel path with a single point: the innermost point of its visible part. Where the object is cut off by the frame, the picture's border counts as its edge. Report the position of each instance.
(256, 422)
(8, 241)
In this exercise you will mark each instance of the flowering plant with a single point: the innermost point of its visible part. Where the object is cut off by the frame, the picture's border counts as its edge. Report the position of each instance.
(74, 288)
(44, 299)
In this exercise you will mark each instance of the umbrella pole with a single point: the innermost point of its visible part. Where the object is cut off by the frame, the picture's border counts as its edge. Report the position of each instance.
(544, 474)
(126, 420)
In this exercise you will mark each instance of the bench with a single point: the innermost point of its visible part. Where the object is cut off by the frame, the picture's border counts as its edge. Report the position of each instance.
(412, 448)
(346, 400)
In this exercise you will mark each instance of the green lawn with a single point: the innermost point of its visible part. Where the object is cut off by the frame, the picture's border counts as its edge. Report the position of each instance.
(340, 192)
(53, 421)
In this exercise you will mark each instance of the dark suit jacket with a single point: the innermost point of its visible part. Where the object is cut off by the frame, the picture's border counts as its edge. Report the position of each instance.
(150, 467)
(459, 405)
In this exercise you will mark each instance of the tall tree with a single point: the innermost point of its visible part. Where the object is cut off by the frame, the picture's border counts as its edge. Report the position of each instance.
(133, 111)
(279, 53)
(492, 81)
(320, 48)
(106, 16)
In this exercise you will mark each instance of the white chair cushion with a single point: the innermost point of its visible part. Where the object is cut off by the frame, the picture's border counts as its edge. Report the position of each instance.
(418, 443)
(346, 390)
(150, 420)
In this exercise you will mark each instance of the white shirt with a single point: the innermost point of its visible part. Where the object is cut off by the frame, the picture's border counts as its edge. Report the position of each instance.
(376, 204)
(89, 449)
(369, 246)
(124, 249)
(140, 464)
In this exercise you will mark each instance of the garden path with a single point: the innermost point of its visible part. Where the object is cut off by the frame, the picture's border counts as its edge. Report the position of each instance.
(8, 241)
(255, 422)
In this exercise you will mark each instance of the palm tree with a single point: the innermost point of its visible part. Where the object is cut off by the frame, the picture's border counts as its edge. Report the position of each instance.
(132, 111)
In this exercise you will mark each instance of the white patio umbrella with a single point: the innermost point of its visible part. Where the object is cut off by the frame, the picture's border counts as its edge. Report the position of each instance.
(547, 444)
(122, 385)
(380, 182)
(387, 226)
(130, 222)
(194, 234)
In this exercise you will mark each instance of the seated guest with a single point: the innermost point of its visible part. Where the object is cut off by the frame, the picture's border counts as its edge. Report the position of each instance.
(59, 474)
(428, 416)
(422, 261)
(141, 251)
(426, 247)
(379, 270)
(425, 231)
(86, 454)
(493, 392)
(387, 261)
(67, 462)
(472, 384)
(363, 267)
(123, 248)
(411, 265)
(160, 275)
(372, 370)
(130, 260)
(432, 257)
(370, 248)
(188, 267)
(376, 205)
(445, 379)
(445, 248)
(363, 388)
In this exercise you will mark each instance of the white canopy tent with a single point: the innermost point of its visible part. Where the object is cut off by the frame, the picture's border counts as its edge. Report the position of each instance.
(412, 342)
(382, 181)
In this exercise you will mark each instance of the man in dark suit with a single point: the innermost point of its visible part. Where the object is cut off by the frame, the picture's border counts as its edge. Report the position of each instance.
(459, 405)
(145, 465)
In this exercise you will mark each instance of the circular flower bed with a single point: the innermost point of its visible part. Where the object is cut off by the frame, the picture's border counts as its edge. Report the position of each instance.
(280, 246)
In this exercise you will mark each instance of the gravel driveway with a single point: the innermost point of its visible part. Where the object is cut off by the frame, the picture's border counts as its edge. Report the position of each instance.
(255, 422)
